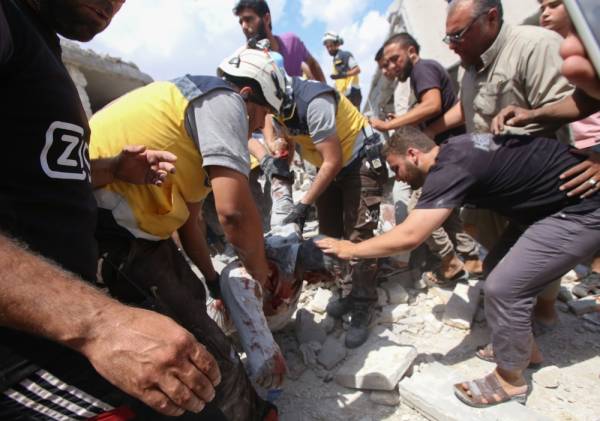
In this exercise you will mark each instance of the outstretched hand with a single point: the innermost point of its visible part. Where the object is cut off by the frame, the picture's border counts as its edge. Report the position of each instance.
(153, 359)
(138, 165)
(378, 124)
(339, 248)
(586, 177)
(511, 116)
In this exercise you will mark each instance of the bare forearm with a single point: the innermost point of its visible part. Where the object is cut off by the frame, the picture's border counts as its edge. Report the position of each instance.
(193, 240)
(454, 117)
(244, 232)
(324, 177)
(353, 72)
(103, 171)
(316, 71)
(572, 108)
(38, 297)
(419, 114)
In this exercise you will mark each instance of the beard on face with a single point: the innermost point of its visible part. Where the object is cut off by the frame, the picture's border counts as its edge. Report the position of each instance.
(414, 177)
(332, 53)
(261, 31)
(404, 74)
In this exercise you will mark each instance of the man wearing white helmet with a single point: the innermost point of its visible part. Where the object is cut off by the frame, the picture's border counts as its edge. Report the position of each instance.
(345, 69)
(332, 135)
(205, 121)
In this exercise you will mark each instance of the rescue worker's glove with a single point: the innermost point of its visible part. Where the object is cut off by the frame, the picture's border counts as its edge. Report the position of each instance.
(297, 215)
(214, 287)
(338, 76)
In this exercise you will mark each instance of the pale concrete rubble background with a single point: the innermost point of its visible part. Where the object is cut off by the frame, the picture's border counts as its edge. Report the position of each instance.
(100, 79)
(422, 340)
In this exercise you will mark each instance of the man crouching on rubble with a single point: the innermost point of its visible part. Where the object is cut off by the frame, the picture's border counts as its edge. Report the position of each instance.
(205, 121)
(253, 309)
(518, 177)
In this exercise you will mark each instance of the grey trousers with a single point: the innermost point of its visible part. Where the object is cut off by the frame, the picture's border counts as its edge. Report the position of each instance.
(547, 249)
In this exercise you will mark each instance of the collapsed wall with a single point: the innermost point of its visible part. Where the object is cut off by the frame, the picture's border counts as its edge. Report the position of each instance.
(100, 79)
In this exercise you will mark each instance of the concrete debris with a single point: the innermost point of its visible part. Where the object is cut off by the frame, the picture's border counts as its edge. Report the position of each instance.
(319, 302)
(328, 324)
(394, 313)
(307, 328)
(463, 305)
(382, 297)
(442, 293)
(569, 277)
(378, 365)
(332, 353)
(565, 295)
(309, 352)
(584, 305)
(396, 292)
(431, 393)
(385, 398)
(547, 377)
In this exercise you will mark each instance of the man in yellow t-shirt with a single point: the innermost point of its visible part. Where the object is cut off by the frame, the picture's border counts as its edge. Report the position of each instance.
(332, 135)
(205, 121)
(345, 69)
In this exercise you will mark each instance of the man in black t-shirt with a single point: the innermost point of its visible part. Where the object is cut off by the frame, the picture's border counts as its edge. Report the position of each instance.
(95, 348)
(517, 177)
(432, 88)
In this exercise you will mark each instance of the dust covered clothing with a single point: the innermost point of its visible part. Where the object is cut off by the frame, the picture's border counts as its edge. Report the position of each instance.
(344, 61)
(204, 123)
(200, 119)
(517, 177)
(349, 207)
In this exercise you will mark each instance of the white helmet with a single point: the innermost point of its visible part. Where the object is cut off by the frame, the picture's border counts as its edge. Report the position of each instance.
(258, 65)
(332, 36)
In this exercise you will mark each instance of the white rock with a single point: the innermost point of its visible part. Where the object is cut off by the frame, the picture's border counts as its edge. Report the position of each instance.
(378, 365)
(396, 292)
(463, 305)
(431, 393)
(332, 352)
(382, 297)
(319, 302)
(547, 377)
(394, 313)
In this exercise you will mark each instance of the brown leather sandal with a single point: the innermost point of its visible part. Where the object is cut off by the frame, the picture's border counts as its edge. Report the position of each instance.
(487, 388)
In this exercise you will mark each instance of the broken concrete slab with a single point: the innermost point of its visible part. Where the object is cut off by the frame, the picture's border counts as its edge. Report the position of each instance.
(584, 305)
(319, 302)
(332, 352)
(547, 377)
(397, 293)
(463, 304)
(385, 398)
(378, 365)
(382, 297)
(431, 393)
(393, 313)
(442, 294)
(308, 329)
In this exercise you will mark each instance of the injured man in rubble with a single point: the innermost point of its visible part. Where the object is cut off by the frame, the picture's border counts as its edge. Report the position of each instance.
(255, 311)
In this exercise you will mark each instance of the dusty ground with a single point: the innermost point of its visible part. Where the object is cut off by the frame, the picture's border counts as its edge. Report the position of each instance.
(572, 393)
